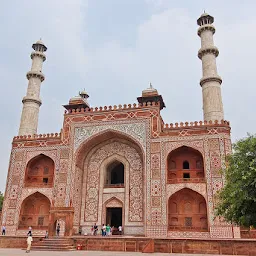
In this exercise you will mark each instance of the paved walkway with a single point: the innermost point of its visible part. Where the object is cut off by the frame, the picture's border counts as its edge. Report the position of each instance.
(14, 252)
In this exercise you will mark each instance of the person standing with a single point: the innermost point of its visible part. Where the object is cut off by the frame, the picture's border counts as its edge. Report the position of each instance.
(29, 231)
(3, 230)
(120, 229)
(108, 230)
(103, 230)
(29, 242)
(58, 229)
(95, 229)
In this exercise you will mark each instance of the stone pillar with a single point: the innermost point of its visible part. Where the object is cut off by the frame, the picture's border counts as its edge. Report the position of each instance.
(31, 102)
(211, 81)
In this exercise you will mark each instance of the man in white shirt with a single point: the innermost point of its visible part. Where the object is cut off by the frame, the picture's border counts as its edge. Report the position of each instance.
(120, 229)
(29, 242)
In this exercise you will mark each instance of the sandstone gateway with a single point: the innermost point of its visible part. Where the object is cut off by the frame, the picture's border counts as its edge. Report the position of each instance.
(122, 164)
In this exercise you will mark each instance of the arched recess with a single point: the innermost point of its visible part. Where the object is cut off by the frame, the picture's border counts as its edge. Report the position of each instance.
(39, 172)
(34, 212)
(187, 211)
(87, 160)
(185, 164)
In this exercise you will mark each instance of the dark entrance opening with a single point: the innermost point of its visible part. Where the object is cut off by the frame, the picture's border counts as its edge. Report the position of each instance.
(114, 217)
(115, 174)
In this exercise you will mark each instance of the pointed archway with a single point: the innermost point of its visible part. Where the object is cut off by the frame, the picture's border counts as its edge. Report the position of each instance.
(39, 172)
(187, 211)
(35, 210)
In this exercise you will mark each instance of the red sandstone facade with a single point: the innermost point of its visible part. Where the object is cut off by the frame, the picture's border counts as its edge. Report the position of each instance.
(121, 165)
(170, 174)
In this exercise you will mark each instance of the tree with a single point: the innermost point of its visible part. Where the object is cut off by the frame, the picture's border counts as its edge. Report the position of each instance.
(237, 199)
(1, 200)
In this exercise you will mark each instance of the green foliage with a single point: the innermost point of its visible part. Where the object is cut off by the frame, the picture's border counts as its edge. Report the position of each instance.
(1, 200)
(237, 199)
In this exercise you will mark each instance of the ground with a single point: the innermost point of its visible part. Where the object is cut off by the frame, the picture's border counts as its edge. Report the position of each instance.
(13, 252)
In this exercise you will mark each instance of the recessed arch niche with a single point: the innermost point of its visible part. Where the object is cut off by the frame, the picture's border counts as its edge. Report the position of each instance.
(39, 172)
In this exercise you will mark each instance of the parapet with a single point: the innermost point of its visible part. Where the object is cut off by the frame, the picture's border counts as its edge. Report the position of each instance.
(38, 136)
(195, 124)
(111, 108)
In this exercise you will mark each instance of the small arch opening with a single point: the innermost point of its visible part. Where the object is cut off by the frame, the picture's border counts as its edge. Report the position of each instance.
(186, 165)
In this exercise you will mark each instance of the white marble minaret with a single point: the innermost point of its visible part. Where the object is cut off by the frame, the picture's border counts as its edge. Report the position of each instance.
(211, 81)
(31, 102)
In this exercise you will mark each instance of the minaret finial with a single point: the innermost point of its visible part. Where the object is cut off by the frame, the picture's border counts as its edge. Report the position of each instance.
(150, 85)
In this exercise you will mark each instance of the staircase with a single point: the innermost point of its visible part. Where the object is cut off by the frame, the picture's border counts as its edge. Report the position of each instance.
(54, 244)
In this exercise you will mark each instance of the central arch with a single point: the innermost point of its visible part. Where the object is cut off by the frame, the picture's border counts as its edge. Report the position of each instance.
(96, 159)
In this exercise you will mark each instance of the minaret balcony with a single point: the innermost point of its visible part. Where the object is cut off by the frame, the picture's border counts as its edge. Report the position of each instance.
(204, 28)
(210, 79)
(38, 54)
(185, 176)
(208, 50)
(36, 74)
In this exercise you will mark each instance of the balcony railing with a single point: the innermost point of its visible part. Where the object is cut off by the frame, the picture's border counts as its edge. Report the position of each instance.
(118, 185)
(186, 180)
(187, 228)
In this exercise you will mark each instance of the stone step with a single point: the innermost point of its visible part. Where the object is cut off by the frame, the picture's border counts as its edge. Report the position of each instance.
(54, 244)
(52, 249)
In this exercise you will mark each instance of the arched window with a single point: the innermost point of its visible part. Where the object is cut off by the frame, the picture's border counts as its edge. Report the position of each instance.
(115, 174)
(185, 165)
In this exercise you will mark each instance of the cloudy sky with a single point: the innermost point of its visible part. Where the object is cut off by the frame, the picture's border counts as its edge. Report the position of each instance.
(114, 48)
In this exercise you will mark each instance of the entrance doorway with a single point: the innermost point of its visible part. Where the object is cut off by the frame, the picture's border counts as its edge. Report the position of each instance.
(114, 217)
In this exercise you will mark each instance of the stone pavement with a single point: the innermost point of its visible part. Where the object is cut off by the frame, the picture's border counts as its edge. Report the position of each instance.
(14, 252)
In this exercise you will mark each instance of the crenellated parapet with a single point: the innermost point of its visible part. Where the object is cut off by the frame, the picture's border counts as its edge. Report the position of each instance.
(196, 128)
(197, 124)
(133, 106)
(37, 137)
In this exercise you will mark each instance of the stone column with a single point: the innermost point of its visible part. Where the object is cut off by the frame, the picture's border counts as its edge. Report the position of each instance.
(31, 102)
(211, 81)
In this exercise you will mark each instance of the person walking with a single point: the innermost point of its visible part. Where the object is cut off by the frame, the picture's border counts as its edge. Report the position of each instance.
(58, 229)
(29, 242)
(3, 230)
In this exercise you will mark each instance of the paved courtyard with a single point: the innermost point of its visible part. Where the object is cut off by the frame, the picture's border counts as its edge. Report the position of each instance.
(13, 252)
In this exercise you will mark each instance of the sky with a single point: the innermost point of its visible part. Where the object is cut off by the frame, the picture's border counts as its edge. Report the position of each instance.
(114, 48)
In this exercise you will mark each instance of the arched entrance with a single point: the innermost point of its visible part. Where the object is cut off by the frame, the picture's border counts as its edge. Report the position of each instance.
(109, 163)
(39, 172)
(185, 164)
(62, 223)
(35, 212)
(114, 213)
(187, 211)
